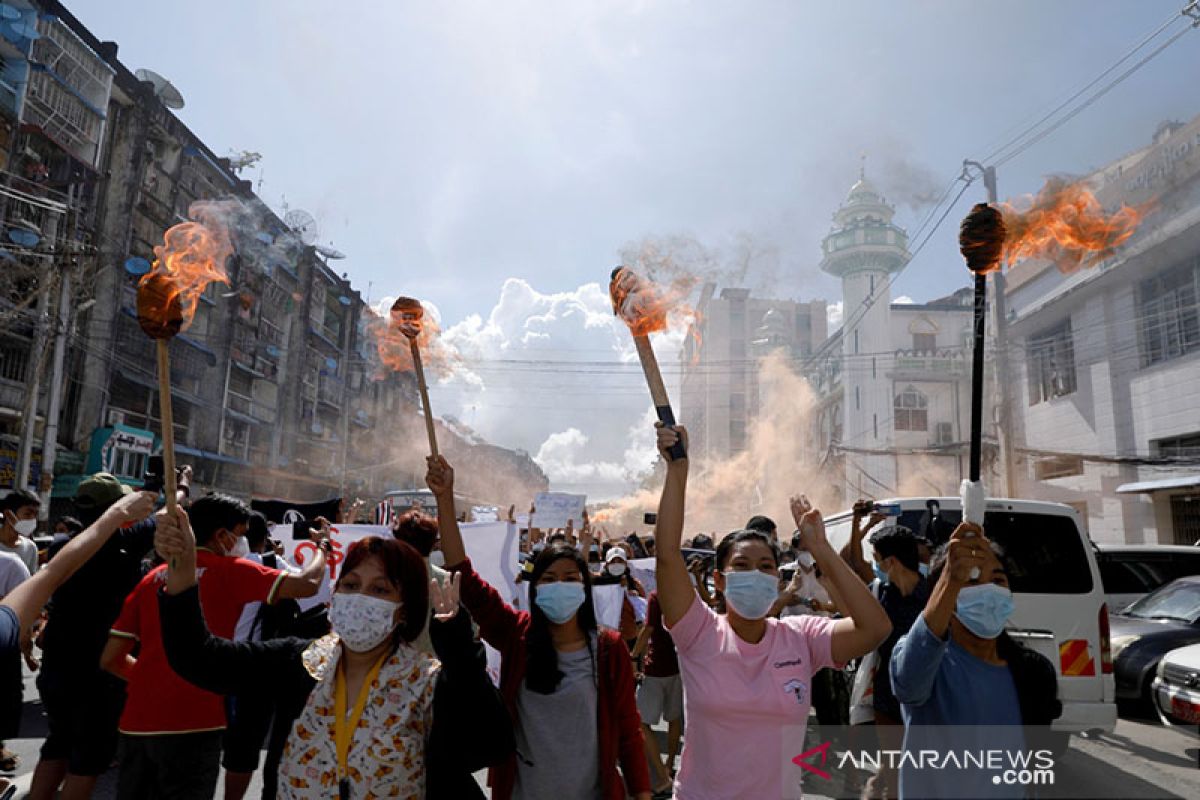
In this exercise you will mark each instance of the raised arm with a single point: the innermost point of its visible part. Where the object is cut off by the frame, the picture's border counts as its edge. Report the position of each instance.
(28, 599)
(851, 552)
(675, 593)
(867, 624)
(308, 581)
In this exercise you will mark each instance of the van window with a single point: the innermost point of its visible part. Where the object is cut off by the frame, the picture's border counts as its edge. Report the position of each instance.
(1120, 576)
(1046, 552)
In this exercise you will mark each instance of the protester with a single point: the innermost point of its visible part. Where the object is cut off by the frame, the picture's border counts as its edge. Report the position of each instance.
(633, 604)
(20, 510)
(736, 665)
(903, 592)
(698, 572)
(568, 685)
(13, 573)
(420, 531)
(171, 731)
(659, 695)
(852, 551)
(418, 727)
(957, 667)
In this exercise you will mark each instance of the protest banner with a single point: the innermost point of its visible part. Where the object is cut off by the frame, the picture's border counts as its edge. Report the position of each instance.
(556, 509)
(608, 601)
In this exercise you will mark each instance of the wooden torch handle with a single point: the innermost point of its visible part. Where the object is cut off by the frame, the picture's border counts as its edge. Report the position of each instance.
(170, 485)
(658, 391)
(420, 370)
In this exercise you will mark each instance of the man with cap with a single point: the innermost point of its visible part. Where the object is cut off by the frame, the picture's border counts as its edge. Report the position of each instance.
(633, 605)
(82, 702)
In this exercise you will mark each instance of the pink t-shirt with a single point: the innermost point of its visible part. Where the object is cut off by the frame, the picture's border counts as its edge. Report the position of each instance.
(740, 697)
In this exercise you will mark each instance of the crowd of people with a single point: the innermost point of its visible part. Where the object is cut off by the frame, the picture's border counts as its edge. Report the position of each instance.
(177, 642)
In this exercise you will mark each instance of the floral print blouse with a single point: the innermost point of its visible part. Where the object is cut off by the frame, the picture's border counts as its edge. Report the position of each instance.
(387, 752)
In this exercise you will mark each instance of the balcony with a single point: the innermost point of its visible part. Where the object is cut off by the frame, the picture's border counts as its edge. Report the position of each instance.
(331, 391)
(249, 408)
(950, 362)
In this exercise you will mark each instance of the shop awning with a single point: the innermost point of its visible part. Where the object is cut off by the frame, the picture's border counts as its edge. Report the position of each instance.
(211, 456)
(1164, 485)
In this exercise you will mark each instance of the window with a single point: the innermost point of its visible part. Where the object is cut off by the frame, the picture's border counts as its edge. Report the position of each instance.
(1185, 519)
(1170, 314)
(911, 410)
(1051, 363)
(924, 342)
(1187, 446)
(1045, 469)
(737, 436)
(737, 405)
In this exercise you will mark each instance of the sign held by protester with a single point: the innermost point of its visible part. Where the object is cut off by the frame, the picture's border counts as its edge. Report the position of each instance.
(556, 509)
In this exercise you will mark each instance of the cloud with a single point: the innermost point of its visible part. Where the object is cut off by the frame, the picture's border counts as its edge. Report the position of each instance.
(904, 300)
(833, 315)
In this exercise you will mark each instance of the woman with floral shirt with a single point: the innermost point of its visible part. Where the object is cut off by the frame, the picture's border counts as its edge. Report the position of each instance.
(374, 716)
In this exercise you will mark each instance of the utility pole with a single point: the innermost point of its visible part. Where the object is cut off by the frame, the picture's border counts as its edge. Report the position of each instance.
(37, 359)
(1004, 428)
(62, 328)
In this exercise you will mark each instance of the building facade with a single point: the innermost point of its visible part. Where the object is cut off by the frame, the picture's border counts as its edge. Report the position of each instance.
(1107, 359)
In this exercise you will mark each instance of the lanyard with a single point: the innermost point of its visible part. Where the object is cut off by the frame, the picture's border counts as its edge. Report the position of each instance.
(343, 728)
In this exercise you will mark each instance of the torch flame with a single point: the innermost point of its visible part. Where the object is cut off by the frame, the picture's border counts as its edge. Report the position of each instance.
(191, 257)
(410, 322)
(1066, 224)
(647, 307)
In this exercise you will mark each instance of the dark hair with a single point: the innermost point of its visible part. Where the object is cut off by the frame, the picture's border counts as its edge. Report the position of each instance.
(725, 548)
(215, 512)
(257, 530)
(17, 499)
(761, 523)
(937, 564)
(72, 525)
(405, 569)
(541, 672)
(416, 529)
(899, 542)
(556, 537)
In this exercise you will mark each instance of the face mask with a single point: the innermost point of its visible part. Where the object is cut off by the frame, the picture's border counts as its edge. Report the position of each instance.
(559, 601)
(984, 609)
(806, 559)
(362, 622)
(751, 593)
(437, 558)
(879, 573)
(923, 569)
(616, 568)
(25, 527)
(240, 549)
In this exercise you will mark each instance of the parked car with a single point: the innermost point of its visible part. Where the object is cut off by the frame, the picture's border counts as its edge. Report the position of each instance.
(1165, 619)
(1132, 571)
(1060, 610)
(1177, 687)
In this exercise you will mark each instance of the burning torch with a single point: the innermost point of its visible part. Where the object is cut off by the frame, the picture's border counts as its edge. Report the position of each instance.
(636, 302)
(408, 315)
(191, 257)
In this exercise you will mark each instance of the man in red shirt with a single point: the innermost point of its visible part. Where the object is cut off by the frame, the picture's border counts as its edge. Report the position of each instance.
(170, 729)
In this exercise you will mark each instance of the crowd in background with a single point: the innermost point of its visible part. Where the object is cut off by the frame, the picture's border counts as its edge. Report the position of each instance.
(179, 642)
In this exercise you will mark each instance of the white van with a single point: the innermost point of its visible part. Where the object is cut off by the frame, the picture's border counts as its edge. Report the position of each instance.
(1060, 609)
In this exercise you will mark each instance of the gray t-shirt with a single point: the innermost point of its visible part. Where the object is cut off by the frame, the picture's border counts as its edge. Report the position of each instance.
(558, 743)
(25, 550)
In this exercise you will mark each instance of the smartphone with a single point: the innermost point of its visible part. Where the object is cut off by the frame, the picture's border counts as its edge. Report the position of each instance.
(650, 518)
(153, 480)
(787, 573)
(301, 530)
(889, 509)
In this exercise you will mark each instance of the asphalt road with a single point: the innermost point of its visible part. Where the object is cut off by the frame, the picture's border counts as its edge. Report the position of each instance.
(1139, 759)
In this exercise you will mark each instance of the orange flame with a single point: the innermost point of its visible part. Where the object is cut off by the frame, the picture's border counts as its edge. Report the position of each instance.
(1066, 224)
(648, 307)
(392, 339)
(192, 256)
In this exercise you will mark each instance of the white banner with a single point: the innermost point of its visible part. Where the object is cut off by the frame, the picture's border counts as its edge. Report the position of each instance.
(556, 509)
(608, 601)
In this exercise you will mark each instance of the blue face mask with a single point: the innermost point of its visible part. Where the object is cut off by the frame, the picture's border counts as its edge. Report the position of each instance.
(923, 569)
(984, 609)
(559, 601)
(751, 593)
(879, 573)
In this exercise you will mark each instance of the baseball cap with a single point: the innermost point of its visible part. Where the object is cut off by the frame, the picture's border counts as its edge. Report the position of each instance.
(616, 554)
(100, 491)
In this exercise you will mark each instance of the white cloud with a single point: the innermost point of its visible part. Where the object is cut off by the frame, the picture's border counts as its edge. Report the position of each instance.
(904, 300)
(833, 315)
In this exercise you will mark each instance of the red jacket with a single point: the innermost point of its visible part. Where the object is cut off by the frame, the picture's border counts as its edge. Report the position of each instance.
(620, 726)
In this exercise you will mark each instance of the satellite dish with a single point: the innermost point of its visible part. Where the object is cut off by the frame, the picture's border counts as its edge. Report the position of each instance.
(328, 251)
(23, 237)
(136, 266)
(164, 90)
(8, 12)
(344, 300)
(26, 31)
(302, 223)
(265, 237)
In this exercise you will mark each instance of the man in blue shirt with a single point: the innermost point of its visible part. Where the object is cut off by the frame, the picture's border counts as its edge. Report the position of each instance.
(964, 686)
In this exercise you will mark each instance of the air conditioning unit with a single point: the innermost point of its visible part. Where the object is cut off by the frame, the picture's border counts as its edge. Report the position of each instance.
(115, 417)
(944, 433)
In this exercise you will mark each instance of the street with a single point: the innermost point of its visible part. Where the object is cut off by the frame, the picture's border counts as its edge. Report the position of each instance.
(1140, 759)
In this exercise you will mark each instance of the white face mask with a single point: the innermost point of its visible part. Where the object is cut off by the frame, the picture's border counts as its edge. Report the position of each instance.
(240, 549)
(25, 527)
(362, 622)
(616, 568)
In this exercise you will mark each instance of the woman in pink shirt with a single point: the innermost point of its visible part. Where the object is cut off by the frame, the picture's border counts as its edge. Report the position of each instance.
(747, 677)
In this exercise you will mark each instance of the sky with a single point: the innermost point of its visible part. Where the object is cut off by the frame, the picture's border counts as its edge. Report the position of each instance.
(496, 159)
